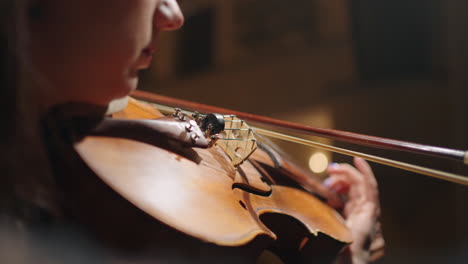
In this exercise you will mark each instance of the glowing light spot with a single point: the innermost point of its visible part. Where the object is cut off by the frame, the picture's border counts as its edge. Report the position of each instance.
(318, 162)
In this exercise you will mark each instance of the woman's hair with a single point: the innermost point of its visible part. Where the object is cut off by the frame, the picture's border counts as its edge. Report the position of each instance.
(25, 179)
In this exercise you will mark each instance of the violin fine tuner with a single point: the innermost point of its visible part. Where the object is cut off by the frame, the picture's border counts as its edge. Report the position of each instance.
(178, 114)
(230, 133)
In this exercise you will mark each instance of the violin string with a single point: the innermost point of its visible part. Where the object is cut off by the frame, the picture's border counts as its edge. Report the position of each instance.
(213, 165)
(237, 139)
(168, 110)
(456, 178)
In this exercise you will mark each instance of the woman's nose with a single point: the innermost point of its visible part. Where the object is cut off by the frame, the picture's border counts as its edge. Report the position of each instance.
(169, 16)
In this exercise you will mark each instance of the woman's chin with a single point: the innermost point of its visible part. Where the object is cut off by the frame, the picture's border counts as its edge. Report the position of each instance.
(132, 81)
(116, 88)
(118, 91)
(126, 88)
(133, 84)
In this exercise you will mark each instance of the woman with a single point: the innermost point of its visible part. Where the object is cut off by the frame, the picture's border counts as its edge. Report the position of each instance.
(57, 52)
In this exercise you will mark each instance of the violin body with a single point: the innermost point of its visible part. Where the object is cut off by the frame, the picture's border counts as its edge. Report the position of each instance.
(179, 193)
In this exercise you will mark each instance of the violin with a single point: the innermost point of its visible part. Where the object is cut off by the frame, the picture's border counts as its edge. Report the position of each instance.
(182, 186)
(195, 188)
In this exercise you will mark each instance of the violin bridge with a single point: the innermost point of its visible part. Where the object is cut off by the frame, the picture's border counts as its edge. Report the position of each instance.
(230, 133)
(237, 140)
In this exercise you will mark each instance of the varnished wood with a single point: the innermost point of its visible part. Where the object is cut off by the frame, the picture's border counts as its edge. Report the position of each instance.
(199, 193)
(199, 199)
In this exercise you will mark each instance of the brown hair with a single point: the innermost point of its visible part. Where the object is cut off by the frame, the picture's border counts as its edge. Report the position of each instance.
(25, 179)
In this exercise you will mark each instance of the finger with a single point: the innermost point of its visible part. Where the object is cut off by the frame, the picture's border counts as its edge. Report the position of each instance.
(354, 176)
(377, 248)
(334, 167)
(371, 184)
(335, 201)
(338, 183)
(378, 243)
(338, 192)
(364, 167)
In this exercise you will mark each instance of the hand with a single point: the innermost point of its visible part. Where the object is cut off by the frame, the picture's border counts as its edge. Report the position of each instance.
(361, 210)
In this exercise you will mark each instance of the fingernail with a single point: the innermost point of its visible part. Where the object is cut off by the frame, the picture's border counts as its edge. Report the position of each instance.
(333, 165)
(327, 182)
